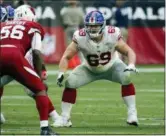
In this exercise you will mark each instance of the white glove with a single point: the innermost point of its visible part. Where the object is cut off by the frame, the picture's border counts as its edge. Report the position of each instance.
(60, 79)
(131, 67)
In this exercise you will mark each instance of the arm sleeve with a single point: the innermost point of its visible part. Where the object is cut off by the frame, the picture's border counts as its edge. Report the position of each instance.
(36, 42)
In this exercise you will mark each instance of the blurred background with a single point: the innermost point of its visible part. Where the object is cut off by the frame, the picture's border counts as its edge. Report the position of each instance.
(142, 24)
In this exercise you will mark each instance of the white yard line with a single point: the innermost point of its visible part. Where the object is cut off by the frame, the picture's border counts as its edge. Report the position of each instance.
(156, 119)
(86, 107)
(85, 99)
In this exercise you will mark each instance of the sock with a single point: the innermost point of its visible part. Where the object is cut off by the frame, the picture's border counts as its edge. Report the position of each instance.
(68, 99)
(128, 95)
(42, 104)
(52, 112)
(54, 115)
(43, 123)
(66, 109)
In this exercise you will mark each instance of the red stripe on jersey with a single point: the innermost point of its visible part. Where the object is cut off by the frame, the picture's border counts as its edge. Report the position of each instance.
(33, 11)
(119, 37)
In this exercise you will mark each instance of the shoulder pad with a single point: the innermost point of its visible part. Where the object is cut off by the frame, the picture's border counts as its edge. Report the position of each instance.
(79, 34)
(114, 32)
(36, 27)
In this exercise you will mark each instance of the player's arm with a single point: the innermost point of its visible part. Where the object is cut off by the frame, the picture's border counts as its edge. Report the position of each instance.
(124, 49)
(36, 53)
(63, 65)
(68, 54)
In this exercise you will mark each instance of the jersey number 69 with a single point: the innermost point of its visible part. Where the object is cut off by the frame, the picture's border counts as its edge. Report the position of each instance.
(95, 60)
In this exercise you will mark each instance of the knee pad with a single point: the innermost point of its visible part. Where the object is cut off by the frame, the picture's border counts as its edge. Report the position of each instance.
(126, 79)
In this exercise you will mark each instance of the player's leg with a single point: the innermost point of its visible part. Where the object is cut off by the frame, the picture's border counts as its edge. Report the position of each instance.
(1, 92)
(24, 73)
(127, 90)
(3, 81)
(80, 76)
(52, 112)
(15, 65)
(2, 119)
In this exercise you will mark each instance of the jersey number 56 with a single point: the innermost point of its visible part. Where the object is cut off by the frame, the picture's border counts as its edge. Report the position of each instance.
(8, 32)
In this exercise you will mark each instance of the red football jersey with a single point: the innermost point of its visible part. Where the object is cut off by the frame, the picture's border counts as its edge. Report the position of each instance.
(19, 33)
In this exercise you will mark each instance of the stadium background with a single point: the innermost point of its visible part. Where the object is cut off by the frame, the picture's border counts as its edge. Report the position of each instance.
(145, 26)
(104, 111)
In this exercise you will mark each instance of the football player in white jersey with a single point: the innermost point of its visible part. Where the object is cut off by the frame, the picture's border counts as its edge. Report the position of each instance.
(99, 45)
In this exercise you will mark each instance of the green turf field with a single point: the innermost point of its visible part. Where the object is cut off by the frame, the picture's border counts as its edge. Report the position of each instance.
(99, 108)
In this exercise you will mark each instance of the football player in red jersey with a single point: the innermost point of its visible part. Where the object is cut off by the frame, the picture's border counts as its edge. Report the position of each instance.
(17, 37)
(7, 14)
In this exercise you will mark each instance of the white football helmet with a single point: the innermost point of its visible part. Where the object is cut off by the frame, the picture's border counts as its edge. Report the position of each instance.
(25, 12)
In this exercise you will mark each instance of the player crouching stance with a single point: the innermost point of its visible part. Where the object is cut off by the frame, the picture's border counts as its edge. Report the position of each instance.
(7, 14)
(99, 45)
(17, 37)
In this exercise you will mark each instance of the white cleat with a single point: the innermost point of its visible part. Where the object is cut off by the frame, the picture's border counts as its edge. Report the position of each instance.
(132, 117)
(2, 121)
(62, 122)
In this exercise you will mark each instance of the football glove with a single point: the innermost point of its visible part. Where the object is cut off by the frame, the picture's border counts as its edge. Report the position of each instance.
(132, 68)
(60, 79)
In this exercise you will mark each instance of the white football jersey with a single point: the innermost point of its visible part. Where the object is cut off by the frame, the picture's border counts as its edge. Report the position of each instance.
(100, 56)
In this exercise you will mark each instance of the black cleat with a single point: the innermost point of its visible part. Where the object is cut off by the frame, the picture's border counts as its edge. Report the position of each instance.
(133, 123)
(45, 131)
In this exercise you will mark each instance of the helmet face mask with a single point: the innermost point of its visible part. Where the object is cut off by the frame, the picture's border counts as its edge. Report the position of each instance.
(93, 30)
(94, 24)
(25, 12)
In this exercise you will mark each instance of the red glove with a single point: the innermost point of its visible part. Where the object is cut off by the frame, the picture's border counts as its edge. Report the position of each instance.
(44, 75)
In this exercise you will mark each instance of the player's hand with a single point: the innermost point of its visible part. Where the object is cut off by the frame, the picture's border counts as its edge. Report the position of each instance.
(60, 79)
(44, 75)
(131, 68)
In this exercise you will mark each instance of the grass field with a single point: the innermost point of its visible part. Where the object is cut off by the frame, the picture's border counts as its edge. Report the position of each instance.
(99, 108)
